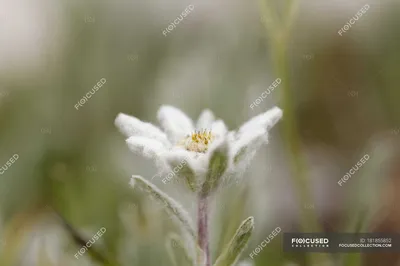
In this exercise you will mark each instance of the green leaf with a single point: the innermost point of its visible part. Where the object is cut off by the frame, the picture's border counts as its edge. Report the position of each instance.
(217, 167)
(100, 256)
(171, 206)
(175, 245)
(232, 251)
(239, 155)
(182, 170)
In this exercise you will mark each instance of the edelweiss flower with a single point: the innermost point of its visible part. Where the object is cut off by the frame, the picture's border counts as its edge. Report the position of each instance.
(211, 153)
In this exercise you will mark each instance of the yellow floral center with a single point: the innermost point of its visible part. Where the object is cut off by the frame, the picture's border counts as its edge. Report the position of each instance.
(198, 141)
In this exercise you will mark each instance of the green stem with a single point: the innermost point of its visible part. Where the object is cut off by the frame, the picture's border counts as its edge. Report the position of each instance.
(308, 219)
(279, 37)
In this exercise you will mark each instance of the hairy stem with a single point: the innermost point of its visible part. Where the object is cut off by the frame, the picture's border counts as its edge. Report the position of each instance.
(202, 223)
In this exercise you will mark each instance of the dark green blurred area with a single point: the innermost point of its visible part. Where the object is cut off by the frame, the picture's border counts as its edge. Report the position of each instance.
(346, 92)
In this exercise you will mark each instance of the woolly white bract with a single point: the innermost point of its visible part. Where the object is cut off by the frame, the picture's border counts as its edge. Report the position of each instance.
(213, 154)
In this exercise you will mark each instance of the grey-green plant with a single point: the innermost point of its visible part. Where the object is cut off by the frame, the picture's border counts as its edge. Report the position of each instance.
(211, 156)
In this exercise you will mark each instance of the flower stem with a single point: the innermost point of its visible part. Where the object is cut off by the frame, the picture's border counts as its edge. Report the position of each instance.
(308, 218)
(202, 223)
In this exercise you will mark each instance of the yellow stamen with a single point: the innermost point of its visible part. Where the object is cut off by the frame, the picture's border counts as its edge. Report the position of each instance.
(198, 141)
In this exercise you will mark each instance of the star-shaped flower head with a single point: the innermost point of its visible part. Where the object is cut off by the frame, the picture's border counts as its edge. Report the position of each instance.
(205, 154)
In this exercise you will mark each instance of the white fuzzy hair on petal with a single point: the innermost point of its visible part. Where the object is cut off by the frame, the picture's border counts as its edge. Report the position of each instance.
(150, 148)
(219, 129)
(196, 161)
(250, 140)
(243, 151)
(205, 120)
(131, 126)
(219, 143)
(174, 122)
(265, 120)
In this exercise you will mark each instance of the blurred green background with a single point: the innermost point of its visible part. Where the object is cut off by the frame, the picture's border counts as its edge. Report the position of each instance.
(340, 98)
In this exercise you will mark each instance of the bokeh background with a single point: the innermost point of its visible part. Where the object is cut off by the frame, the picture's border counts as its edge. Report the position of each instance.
(340, 96)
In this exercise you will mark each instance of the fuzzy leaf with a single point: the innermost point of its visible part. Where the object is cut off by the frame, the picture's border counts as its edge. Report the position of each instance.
(182, 169)
(239, 155)
(217, 167)
(190, 177)
(43, 257)
(171, 206)
(176, 245)
(232, 251)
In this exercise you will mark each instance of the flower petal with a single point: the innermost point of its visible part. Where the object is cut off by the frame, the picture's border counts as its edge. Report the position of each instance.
(265, 120)
(248, 142)
(131, 126)
(219, 129)
(205, 120)
(150, 148)
(174, 122)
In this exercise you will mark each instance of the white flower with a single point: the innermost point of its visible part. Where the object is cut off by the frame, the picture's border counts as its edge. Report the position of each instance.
(211, 153)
